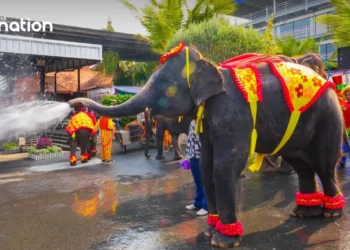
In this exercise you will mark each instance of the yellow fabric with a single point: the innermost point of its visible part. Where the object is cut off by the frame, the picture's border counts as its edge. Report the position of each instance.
(110, 125)
(301, 87)
(248, 84)
(167, 139)
(199, 122)
(180, 118)
(106, 144)
(78, 121)
(73, 136)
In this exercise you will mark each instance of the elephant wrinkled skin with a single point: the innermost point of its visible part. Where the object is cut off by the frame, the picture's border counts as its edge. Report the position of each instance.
(313, 148)
(173, 125)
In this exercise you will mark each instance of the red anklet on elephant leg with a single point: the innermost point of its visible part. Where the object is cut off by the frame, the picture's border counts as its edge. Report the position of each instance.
(229, 229)
(313, 199)
(84, 157)
(72, 159)
(212, 219)
(334, 203)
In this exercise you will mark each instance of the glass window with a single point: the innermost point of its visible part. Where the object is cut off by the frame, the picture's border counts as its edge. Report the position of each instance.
(323, 49)
(301, 23)
(288, 27)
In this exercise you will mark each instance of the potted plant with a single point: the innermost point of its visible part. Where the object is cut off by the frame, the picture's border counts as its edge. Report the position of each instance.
(10, 147)
(44, 149)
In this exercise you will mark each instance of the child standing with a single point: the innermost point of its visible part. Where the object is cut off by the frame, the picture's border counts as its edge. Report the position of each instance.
(193, 152)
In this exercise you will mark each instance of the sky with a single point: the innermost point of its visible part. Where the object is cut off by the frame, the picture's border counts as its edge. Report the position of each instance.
(81, 13)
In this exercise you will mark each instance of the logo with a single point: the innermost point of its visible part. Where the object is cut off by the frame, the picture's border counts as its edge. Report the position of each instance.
(24, 26)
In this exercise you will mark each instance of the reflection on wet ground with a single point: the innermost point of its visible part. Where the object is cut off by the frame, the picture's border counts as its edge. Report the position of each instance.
(126, 207)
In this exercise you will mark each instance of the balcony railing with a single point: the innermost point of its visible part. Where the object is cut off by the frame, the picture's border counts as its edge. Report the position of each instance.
(306, 32)
(282, 9)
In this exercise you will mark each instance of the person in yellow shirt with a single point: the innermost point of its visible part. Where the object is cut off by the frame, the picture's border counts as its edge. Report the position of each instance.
(108, 129)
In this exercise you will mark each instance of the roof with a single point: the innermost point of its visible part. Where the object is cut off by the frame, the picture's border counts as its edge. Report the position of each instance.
(67, 82)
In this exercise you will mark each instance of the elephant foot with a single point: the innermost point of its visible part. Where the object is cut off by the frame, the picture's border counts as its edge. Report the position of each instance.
(223, 241)
(332, 213)
(72, 164)
(209, 231)
(160, 157)
(85, 161)
(93, 153)
(178, 157)
(307, 211)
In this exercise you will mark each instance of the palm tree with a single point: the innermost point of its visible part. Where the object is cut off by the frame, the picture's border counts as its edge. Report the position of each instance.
(163, 19)
(292, 47)
(339, 23)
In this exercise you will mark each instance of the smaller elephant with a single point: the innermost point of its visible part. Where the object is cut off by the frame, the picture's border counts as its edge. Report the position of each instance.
(80, 128)
(175, 126)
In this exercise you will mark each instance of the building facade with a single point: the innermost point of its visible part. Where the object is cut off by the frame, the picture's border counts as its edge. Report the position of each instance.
(292, 18)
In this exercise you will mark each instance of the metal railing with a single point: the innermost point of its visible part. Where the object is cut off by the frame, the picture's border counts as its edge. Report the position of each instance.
(282, 9)
(305, 32)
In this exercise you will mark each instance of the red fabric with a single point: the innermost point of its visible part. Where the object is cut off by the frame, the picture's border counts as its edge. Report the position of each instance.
(346, 113)
(314, 199)
(93, 117)
(337, 79)
(72, 158)
(248, 58)
(212, 219)
(104, 123)
(229, 229)
(334, 203)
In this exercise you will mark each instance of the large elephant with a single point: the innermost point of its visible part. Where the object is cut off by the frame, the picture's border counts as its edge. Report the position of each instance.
(173, 125)
(313, 147)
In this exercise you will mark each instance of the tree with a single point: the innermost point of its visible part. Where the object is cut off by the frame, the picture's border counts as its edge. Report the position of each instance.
(217, 40)
(163, 19)
(339, 23)
(271, 48)
(292, 47)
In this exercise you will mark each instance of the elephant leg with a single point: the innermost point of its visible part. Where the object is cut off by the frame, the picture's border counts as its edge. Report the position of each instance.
(207, 174)
(230, 158)
(83, 136)
(73, 150)
(309, 200)
(159, 143)
(177, 150)
(93, 143)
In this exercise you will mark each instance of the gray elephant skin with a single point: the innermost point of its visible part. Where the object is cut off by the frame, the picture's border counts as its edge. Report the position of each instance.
(313, 148)
(175, 128)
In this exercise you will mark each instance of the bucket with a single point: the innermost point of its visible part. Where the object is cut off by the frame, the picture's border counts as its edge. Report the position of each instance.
(185, 164)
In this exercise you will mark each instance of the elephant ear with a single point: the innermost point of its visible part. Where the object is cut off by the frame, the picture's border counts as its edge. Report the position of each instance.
(206, 81)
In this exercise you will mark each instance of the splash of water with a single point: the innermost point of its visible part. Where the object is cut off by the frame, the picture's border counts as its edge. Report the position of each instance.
(30, 118)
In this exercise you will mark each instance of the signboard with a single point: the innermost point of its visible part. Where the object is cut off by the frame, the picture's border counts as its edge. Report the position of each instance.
(98, 94)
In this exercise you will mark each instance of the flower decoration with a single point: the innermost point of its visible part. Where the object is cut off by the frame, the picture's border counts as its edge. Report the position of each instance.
(317, 82)
(173, 52)
(44, 143)
(299, 90)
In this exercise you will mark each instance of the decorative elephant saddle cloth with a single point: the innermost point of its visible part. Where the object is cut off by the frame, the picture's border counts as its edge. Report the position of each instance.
(301, 88)
(79, 121)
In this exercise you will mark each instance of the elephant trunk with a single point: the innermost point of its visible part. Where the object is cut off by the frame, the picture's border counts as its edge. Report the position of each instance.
(134, 106)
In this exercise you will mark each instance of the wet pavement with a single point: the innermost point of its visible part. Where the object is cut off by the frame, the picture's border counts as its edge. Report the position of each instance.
(140, 204)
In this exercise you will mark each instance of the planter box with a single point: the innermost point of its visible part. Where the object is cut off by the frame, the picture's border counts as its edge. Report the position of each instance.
(45, 156)
(10, 151)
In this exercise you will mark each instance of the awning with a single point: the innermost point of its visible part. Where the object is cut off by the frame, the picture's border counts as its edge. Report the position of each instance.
(123, 90)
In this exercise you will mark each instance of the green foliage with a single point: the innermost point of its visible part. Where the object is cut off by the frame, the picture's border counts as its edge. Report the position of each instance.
(110, 62)
(134, 73)
(107, 100)
(164, 19)
(9, 145)
(48, 150)
(292, 47)
(339, 23)
(217, 40)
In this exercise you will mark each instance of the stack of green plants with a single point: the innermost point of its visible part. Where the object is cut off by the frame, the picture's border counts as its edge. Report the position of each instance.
(9, 146)
(119, 99)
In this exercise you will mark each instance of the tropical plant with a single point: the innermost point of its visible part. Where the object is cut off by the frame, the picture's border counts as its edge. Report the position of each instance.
(134, 73)
(339, 23)
(292, 47)
(217, 40)
(163, 19)
(270, 48)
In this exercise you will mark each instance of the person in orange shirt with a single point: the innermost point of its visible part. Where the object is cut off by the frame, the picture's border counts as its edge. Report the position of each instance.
(107, 128)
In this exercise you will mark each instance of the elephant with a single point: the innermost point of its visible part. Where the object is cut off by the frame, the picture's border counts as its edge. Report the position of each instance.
(212, 95)
(173, 125)
(80, 129)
